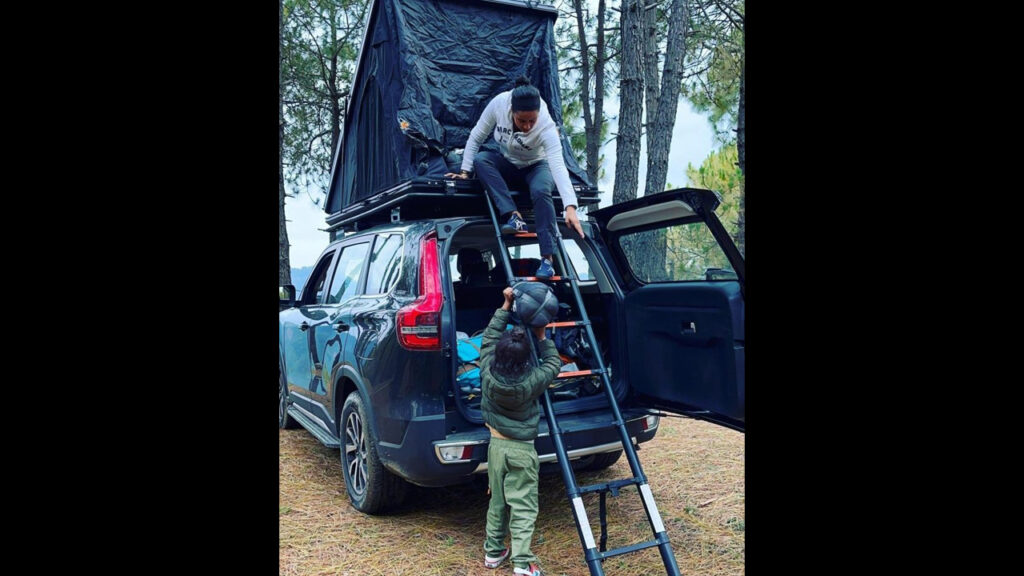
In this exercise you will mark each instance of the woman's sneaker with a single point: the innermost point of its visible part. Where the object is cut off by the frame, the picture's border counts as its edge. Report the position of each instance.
(495, 562)
(533, 570)
(515, 225)
(545, 270)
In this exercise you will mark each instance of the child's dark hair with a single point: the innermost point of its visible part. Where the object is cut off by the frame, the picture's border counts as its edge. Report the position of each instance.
(512, 353)
(525, 96)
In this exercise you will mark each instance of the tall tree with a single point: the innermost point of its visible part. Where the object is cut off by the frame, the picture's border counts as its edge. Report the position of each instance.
(741, 145)
(661, 119)
(651, 43)
(718, 86)
(631, 86)
(317, 52)
(593, 120)
(320, 44)
(284, 263)
(714, 86)
(584, 72)
(662, 96)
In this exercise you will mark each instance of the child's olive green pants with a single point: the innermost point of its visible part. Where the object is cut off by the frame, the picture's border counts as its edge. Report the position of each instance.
(512, 468)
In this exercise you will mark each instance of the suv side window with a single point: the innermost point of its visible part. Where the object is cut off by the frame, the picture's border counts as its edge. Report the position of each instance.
(348, 273)
(684, 251)
(313, 291)
(385, 264)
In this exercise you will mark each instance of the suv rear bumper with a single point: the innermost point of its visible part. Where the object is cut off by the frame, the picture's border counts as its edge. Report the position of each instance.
(421, 462)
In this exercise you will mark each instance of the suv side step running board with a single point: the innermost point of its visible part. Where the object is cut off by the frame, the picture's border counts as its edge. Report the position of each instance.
(315, 429)
(593, 555)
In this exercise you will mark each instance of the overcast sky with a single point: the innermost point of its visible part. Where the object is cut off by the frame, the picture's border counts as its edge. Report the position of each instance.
(692, 141)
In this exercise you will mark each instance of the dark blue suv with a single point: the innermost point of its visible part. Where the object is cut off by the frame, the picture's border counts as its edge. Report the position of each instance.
(369, 358)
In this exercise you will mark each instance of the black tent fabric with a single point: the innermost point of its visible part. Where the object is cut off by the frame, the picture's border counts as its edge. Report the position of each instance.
(427, 70)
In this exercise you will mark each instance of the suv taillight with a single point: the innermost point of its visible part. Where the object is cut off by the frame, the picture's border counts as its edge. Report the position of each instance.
(419, 323)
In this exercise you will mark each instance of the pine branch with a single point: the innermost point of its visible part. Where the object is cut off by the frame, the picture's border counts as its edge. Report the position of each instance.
(730, 12)
(320, 57)
(315, 138)
(698, 72)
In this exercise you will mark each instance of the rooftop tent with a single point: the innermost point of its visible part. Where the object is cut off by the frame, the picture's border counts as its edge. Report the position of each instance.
(426, 70)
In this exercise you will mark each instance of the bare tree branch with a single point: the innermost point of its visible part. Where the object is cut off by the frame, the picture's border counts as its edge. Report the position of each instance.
(730, 12)
(317, 137)
(321, 59)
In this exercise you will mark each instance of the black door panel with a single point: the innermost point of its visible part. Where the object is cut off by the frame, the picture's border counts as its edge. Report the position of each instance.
(684, 344)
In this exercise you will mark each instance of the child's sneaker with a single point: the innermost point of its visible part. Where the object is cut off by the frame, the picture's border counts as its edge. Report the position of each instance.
(533, 570)
(495, 562)
(546, 270)
(515, 225)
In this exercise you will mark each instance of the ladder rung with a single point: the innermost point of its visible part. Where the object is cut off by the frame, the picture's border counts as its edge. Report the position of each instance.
(606, 485)
(578, 373)
(565, 324)
(630, 548)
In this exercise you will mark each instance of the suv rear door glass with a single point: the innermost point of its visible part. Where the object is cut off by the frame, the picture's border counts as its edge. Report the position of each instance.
(347, 273)
(682, 252)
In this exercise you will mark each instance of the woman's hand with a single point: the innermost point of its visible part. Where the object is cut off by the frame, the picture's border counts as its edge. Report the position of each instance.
(507, 293)
(461, 175)
(573, 221)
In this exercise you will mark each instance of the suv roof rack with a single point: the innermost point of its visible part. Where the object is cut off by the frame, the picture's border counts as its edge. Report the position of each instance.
(435, 198)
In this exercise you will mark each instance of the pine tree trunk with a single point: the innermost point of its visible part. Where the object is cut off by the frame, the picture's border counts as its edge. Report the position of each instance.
(659, 134)
(284, 264)
(588, 119)
(631, 86)
(649, 248)
(336, 111)
(662, 103)
(594, 159)
(651, 80)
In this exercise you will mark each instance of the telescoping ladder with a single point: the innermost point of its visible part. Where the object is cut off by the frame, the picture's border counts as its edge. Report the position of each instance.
(594, 554)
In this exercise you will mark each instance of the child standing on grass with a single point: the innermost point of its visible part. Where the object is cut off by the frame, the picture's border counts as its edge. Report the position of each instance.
(510, 411)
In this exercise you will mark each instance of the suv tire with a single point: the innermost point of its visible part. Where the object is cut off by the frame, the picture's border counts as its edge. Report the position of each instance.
(370, 486)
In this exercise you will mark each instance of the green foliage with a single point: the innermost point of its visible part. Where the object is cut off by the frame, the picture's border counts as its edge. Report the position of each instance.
(319, 47)
(715, 59)
(720, 172)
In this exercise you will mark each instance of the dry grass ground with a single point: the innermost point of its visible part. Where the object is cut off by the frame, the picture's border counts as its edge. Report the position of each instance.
(695, 470)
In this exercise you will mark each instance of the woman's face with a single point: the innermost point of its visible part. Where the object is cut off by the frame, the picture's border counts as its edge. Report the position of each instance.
(525, 119)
